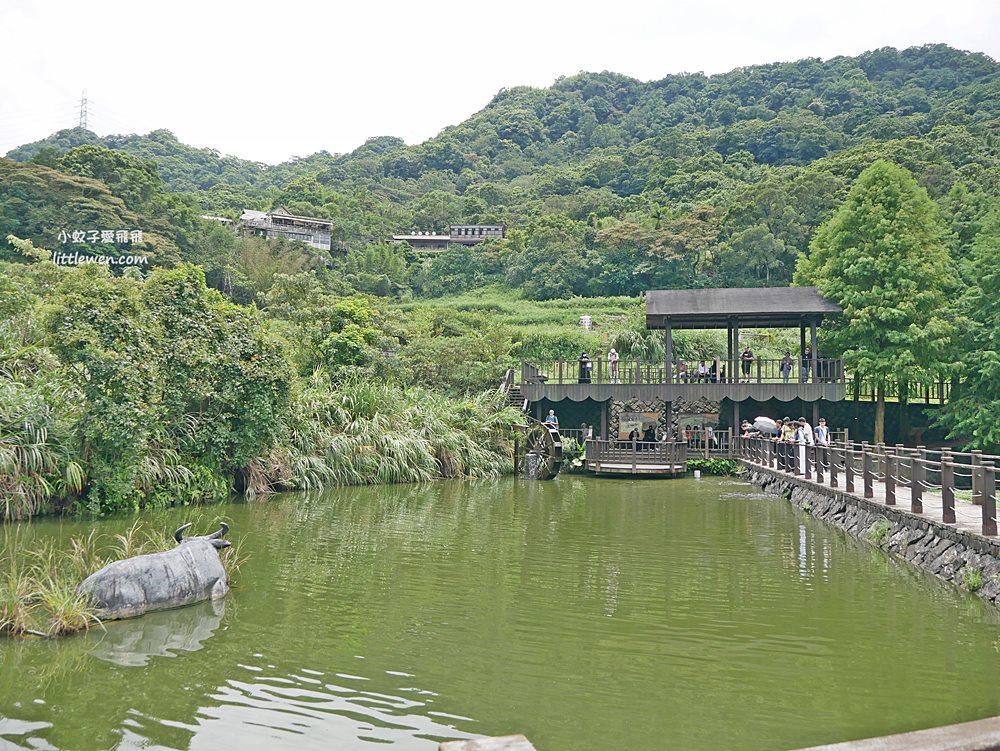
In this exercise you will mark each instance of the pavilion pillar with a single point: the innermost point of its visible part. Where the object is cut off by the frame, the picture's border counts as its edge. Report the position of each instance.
(729, 340)
(668, 345)
(802, 349)
(734, 366)
(538, 411)
(815, 353)
(604, 419)
(736, 417)
(668, 417)
(815, 421)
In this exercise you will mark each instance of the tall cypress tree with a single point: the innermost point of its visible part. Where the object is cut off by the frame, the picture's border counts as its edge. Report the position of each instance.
(883, 258)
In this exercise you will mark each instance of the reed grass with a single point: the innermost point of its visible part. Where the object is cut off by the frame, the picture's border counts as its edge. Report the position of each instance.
(365, 433)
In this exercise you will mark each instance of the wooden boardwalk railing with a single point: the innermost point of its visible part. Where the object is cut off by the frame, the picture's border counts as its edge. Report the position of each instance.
(953, 487)
(636, 457)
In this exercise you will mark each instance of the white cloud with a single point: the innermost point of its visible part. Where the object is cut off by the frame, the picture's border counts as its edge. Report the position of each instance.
(268, 81)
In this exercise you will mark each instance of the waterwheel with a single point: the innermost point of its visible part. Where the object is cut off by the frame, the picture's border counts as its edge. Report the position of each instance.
(541, 452)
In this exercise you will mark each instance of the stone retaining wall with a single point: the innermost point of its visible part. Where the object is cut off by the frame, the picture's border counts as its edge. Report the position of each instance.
(961, 558)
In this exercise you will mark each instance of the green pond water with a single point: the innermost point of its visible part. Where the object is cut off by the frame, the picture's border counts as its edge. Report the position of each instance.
(587, 614)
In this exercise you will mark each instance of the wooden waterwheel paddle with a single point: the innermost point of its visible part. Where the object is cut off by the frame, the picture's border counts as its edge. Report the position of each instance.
(544, 447)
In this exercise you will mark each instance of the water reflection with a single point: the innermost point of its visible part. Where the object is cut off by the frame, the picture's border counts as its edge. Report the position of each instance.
(584, 613)
(131, 643)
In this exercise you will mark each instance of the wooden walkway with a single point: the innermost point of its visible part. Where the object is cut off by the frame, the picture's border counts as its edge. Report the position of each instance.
(957, 490)
(654, 459)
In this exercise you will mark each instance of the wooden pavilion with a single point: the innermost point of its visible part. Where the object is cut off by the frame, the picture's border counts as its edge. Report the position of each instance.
(809, 379)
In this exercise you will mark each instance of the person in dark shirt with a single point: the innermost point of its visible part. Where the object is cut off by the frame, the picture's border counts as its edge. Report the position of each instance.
(746, 359)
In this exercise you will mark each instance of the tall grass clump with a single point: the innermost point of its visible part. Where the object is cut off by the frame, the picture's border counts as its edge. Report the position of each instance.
(36, 461)
(366, 433)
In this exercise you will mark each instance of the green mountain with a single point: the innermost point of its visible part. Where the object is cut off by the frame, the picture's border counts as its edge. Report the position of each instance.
(610, 185)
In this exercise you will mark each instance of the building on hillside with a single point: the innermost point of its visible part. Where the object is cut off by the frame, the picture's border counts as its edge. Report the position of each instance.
(424, 242)
(459, 234)
(281, 223)
(473, 234)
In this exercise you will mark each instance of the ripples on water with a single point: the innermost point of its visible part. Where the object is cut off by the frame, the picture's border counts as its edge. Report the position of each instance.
(588, 614)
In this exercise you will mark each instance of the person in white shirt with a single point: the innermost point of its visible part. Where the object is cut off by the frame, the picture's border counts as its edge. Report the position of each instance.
(613, 365)
(803, 437)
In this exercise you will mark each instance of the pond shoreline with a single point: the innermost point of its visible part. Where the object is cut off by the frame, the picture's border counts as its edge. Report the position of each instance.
(961, 558)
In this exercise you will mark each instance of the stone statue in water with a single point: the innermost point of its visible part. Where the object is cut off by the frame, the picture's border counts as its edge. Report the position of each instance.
(190, 572)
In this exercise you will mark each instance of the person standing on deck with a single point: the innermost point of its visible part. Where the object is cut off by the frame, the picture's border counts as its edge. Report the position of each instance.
(806, 364)
(787, 431)
(613, 365)
(822, 436)
(786, 366)
(586, 366)
(551, 419)
(746, 360)
(822, 433)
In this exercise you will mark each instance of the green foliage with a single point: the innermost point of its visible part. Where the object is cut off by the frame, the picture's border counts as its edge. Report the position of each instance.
(878, 531)
(882, 257)
(974, 416)
(972, 579)
(715, 466)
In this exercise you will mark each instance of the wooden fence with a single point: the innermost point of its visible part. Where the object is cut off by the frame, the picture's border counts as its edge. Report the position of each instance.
(880, 469)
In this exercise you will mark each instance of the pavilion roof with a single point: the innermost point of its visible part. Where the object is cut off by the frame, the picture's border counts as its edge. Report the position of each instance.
(750, 307)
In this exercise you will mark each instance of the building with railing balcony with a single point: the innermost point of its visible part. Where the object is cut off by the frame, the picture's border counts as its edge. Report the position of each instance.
(280, 223)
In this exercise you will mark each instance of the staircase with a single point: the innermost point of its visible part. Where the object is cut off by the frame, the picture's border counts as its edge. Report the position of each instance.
(516, 399)
(514, 396)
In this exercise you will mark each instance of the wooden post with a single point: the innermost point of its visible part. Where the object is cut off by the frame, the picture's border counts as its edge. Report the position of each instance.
(917, 476)
(849, 469)
(866, 471)
(806, 470)
(757, 365)
(705, 441)
(516, 454)
(947, 490)
(988, 486)
(814, 352)
(890, 482)
(819, 464)
(633, 456)
(669, 348)
(833, 467)
(802, 350)
(560, 372)
(977, 490)
(600, 370)
(604, 419)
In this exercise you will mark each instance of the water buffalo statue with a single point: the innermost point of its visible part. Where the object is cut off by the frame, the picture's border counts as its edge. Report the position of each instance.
(189, 572)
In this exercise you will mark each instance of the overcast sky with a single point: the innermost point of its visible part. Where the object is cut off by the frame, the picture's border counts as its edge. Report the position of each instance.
(269, 81)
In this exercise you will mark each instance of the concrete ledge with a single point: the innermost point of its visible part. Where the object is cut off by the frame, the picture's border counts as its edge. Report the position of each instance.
(958, 556)
(981, 735)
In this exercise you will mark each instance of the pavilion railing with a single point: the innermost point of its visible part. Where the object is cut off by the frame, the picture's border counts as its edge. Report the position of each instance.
(633, 372)
(938, 392)
(636, 453)
(862, 467)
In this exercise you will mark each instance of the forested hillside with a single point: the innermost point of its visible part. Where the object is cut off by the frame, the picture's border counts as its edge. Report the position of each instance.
(610, 185)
